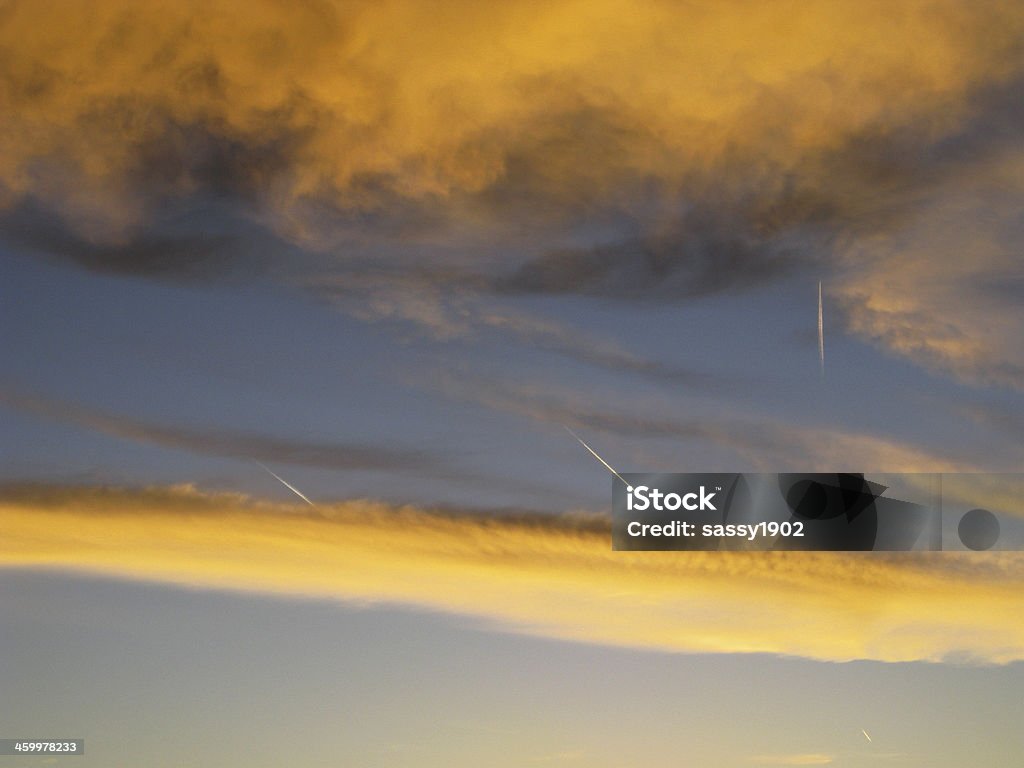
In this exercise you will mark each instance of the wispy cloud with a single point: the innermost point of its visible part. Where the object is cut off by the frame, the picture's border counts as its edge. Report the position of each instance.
(260, 447)
(446, 305)
(551, 576)
(914, 291)
(759, 443)
(225, 442)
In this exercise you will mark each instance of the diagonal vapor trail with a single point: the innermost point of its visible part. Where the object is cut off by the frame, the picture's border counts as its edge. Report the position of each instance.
(287, 485)
(865, 734)
(594, 454)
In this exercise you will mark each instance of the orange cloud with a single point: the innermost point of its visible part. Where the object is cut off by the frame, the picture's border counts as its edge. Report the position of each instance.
(917, 292)
(572, 98)
(732, 137)
(554, 577)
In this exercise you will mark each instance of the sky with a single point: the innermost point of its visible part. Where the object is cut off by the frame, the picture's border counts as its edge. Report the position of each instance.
(388, 252)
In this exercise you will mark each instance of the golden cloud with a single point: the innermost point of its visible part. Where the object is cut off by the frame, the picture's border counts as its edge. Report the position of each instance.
(554, 577)
(915, 292)
(729, 136)
(324, 97)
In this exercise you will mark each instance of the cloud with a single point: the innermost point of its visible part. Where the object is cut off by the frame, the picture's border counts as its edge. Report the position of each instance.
(993, 416)
(242, 444)
(234, 444)
(543, 575)
(757, 443)
(763, 444)
(187, 244)
(944, 290)
(541, 334)
(697, 257)
(451, 305)
(667, 152)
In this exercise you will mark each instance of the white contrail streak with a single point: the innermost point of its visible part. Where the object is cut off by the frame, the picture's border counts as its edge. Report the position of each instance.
(865, 734)
(594, 454)
(287, 485)
(821, 334)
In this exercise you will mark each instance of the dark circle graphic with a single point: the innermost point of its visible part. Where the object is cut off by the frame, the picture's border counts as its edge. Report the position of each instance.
(808, 499)
(979, 530)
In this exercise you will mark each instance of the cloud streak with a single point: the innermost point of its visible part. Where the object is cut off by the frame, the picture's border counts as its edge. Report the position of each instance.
(221, 442)
(547, 576)
(759, 443)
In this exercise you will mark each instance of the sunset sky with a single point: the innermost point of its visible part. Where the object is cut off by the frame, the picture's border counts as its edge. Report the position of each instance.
(389, 250)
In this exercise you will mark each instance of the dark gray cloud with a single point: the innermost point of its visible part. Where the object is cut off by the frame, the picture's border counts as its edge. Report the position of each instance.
(699, 258)
(746, 223)
(181, 250)
(272, 449)
(233, 444)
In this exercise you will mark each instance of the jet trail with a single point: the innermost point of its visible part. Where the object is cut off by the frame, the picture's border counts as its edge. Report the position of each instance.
(821, 334)
(594, 454)
(865, 734)
(287, 485)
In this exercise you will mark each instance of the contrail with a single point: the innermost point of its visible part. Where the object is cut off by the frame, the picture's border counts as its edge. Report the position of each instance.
(594, 454)
(821, 334)
(865, 734)
(287, 485)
